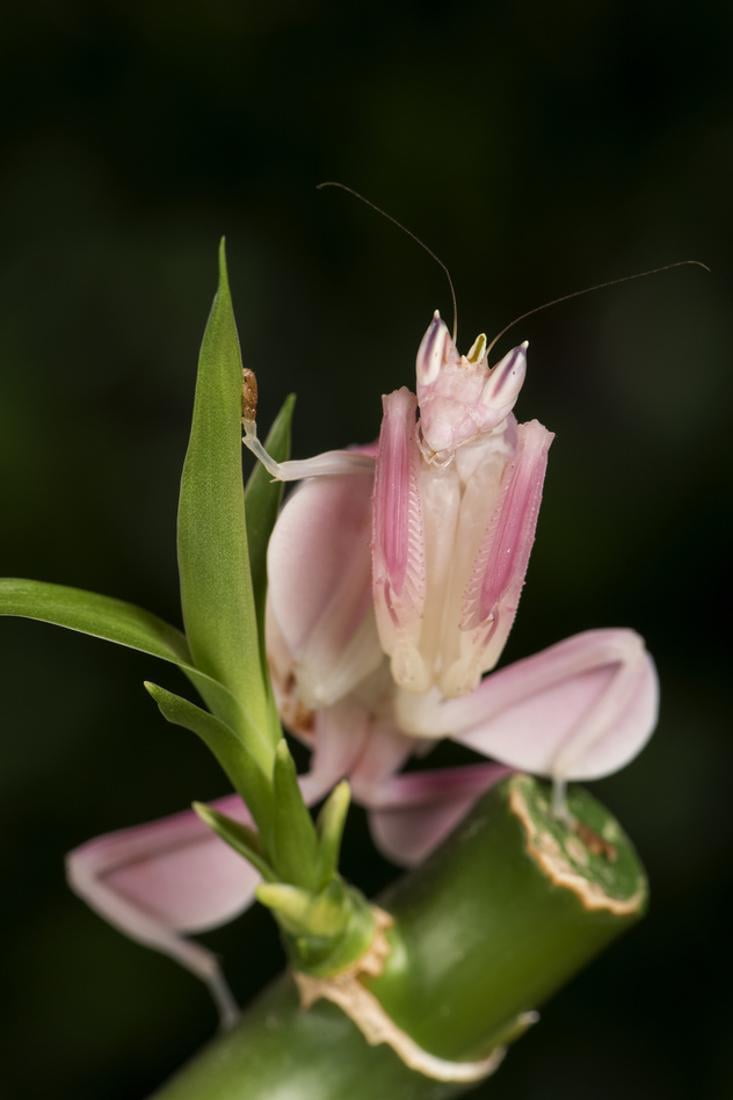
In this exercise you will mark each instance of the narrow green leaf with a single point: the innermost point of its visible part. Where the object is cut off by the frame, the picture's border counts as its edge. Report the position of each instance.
(243, 770)
(304, 914)
(89, 613)
(262, 498)
(295, 845)
(113, 621)
(243, 840)
(290, 903)
(331, 821)
(216, 588)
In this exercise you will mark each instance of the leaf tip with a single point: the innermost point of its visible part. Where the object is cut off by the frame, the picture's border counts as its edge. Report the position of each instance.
(223, 268)
(342, 792)
(203, 812)
(338, 803)
(283, 898)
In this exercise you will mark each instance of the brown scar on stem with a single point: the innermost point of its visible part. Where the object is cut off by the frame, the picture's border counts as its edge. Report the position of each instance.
(249, 395)
(594, 842)
(555, 864)
(368, 1014)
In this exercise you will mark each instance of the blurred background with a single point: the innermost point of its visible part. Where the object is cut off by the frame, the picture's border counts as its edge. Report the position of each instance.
(537, 148)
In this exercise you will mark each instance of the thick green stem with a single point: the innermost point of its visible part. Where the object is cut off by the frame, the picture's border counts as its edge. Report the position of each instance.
(511, 906)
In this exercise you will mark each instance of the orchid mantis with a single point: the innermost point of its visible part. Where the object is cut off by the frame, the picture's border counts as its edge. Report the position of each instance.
(416, 551)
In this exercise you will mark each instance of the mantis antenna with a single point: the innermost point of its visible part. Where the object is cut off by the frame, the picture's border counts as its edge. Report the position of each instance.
(589, 290)
(414, 236)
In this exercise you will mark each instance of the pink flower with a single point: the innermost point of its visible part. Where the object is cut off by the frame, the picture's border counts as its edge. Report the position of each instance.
(395, 573)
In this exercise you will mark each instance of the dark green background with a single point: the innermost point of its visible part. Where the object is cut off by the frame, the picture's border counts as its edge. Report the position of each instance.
(538, 148)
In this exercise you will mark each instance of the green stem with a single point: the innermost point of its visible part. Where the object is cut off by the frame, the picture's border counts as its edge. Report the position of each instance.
(499, 918)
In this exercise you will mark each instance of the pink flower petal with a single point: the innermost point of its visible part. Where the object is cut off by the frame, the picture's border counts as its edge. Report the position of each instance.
(412, 814)
(581, 709)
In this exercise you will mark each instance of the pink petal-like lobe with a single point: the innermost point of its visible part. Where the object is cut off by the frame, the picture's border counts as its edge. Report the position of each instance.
(174, 875)
(319, 596)
(581, 709)
(158, 881)
(410, 815)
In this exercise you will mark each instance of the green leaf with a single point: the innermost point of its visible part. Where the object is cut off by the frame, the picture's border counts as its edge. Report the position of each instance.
(291, 904)
(321, 915)
(216, 587)
(331, 821)
(113, 621)
(243, 840)
(101, 616)
(244, 772)
(262, 499)
(295, 853)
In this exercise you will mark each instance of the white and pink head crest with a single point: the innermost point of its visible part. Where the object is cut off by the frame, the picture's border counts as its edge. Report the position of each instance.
(460, 396)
